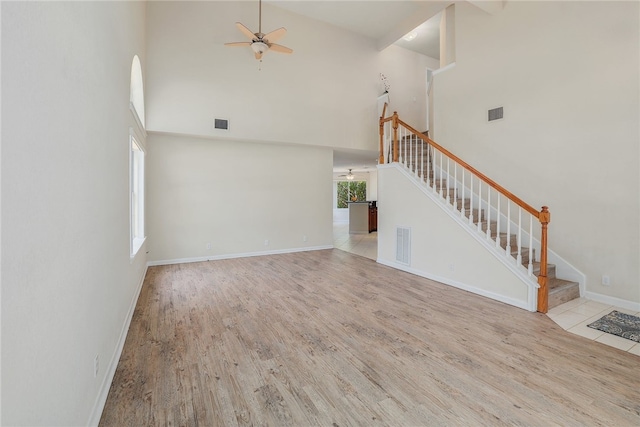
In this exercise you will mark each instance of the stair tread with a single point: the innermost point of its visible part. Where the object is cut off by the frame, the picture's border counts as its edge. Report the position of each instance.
(556, 285)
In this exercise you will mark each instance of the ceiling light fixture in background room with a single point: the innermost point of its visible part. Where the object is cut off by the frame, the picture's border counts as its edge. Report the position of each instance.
(410, 36)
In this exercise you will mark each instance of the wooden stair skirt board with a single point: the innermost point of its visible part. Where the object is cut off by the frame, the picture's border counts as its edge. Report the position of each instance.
(560, 291)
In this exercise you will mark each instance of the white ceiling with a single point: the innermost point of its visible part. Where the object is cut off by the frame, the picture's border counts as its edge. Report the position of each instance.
(386, 22)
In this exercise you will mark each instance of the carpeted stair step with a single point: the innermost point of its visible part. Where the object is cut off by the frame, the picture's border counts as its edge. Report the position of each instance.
(561, 291)
(524, 253)
(459, 202)
(551, 270)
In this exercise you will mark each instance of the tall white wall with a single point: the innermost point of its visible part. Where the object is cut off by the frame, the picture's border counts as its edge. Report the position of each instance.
(67, 280)
(323, 94)
(567, 76)
(235, 196)
(237, 188)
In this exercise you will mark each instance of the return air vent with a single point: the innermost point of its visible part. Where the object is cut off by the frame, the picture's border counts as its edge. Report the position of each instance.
(221, 124)
(496, 114)
(403, 240)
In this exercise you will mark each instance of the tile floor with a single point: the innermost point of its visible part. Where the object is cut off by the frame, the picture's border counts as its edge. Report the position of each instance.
(365, 245)
(572, 316)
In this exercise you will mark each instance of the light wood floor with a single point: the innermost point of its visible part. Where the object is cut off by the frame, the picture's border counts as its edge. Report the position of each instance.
(334, 339)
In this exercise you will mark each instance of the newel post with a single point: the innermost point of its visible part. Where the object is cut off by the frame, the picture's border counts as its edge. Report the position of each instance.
(543, 291)
(394, 123)
(381, 159)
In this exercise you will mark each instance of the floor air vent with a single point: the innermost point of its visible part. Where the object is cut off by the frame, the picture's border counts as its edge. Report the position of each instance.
(403, 238)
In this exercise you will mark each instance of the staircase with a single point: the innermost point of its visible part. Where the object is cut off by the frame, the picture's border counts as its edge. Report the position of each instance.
(560, 291)
(475, 200)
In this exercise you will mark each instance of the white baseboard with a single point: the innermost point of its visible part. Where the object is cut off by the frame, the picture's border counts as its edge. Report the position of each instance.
(98, 406)
(239, 255)
(618, 302)
(469, 288)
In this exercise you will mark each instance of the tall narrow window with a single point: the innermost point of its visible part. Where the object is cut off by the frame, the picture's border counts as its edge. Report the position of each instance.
(136, 159)
(137, 195)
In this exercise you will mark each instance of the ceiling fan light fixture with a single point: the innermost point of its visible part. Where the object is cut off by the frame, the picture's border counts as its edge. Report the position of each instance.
(350, 176)
(259, 47)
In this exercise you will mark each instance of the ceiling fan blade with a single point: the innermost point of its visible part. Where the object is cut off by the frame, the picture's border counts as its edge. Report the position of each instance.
(275, 35)
(279, 48)
(258, 55)
(233, 44)
(247, 32)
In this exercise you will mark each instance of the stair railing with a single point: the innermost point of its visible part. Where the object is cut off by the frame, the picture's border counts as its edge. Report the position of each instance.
(437, 167)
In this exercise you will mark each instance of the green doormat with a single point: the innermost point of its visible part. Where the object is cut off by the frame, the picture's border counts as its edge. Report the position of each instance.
(620, 324)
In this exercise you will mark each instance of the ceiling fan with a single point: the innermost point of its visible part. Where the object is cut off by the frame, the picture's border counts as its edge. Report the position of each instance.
(349, 176)
(261, 43)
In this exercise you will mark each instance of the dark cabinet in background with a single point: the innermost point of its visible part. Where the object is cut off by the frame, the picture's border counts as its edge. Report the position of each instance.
(373, 218)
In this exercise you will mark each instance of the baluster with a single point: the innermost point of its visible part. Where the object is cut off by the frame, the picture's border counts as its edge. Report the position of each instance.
(479, 204)
(385, 158)
(416, 163)
(470, 198)
(498, 217)
(519, 258)
(400, 147)
(428, 164)
(508, 245)
(396, 144)
(530, 266)
(408, 141)
(422, 161)
(441, 174)
(455, 186)
(407, 150)
(434, 170)
(464, 204)
(489, 212)
(448, 176)
(403, 148)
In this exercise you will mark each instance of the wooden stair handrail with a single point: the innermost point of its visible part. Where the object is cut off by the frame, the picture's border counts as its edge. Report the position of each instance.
(544, 216)
(533, 211)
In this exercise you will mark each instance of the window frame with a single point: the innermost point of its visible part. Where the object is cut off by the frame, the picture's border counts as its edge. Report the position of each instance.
(349, 182)
(137, 235)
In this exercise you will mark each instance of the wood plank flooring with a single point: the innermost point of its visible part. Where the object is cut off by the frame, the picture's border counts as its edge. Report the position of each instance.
(333, 339)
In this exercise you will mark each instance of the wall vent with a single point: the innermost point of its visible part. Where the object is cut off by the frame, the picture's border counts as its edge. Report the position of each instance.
(221, 124)
(403, 243)
(496, 114)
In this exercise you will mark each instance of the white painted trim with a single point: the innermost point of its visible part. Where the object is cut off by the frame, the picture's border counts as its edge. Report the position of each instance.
(240, 255)
(137, 119)
(136, 246)
(101, 399)
(618, 302)
(511, 301)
